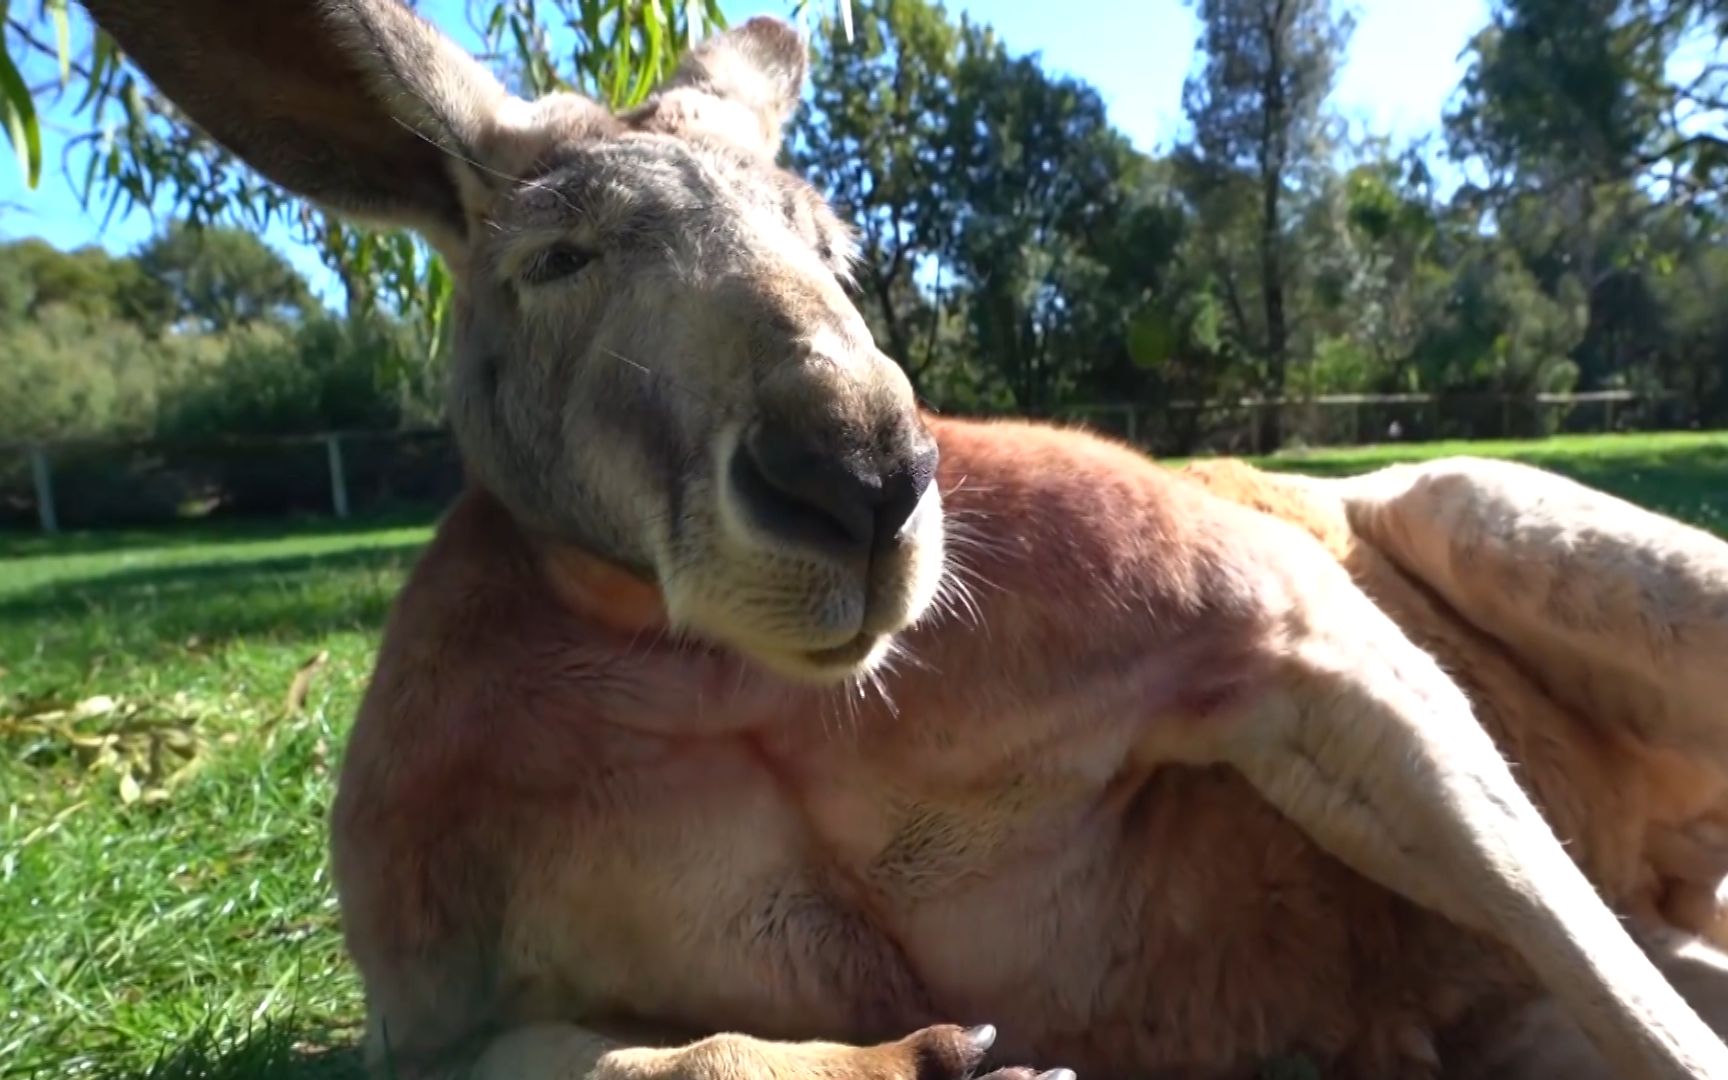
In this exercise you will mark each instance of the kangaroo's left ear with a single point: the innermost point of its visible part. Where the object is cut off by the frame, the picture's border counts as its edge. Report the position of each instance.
(359, 105)
(739, 87)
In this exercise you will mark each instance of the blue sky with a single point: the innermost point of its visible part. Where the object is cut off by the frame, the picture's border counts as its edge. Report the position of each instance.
(1404, 63)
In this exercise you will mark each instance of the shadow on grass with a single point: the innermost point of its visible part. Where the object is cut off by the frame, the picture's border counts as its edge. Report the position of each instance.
(270, 1053)
(207, 604)
(194, 532)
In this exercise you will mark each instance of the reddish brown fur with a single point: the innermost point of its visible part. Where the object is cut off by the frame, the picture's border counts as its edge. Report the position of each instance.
(1006, 842)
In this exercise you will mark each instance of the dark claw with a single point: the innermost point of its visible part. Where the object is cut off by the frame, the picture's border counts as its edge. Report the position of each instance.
(983, 1037)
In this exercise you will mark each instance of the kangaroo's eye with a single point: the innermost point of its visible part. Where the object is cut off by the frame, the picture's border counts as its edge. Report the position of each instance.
(556, 263)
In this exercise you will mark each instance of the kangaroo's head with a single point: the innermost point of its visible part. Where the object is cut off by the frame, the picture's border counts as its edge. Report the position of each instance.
(655, 357)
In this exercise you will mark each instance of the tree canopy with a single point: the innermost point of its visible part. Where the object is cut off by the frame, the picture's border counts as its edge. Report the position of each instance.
(1565, 232)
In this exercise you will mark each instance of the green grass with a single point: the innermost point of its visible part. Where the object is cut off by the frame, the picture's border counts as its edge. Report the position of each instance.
(165, 909)
(162, 871)
(1684, 474)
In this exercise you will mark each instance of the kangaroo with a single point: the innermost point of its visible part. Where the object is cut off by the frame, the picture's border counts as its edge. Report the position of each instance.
(746, 721)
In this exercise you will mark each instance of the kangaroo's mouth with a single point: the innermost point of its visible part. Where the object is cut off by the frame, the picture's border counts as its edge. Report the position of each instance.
(830, 666)
(852, 654)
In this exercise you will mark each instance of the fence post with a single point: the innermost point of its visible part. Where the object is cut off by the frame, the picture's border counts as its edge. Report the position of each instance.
(44, 481)
(338, 476)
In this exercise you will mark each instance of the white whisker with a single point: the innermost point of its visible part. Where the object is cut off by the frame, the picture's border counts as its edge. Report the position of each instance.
(650, 373)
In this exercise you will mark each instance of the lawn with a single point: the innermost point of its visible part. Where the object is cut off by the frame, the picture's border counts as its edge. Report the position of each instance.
(172, 705)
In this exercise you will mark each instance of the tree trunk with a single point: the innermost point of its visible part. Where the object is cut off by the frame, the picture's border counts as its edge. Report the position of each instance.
(1274, 155)
(1272, 290)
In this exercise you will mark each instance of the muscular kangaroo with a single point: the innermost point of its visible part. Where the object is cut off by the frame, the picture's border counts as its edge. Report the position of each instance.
(743, 722)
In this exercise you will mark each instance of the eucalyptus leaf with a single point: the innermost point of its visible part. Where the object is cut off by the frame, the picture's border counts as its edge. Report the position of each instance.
(22, 127)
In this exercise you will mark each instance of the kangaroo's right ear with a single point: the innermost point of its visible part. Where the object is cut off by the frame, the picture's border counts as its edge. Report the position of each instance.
(359, 105)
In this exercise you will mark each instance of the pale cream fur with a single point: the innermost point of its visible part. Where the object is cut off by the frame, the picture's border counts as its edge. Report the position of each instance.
(1621, 611)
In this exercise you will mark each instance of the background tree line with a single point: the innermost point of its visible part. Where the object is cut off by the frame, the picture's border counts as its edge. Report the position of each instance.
(201, 332)
(1564, 231)
(1019, 253)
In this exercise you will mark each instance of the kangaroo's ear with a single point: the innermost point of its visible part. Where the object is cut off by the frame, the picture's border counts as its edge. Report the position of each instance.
(359, 105)
(738, 87)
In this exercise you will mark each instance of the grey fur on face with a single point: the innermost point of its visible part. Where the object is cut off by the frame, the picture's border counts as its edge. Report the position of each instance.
(655, 357)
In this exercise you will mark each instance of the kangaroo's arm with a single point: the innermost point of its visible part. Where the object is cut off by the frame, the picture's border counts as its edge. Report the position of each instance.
(1367, 745)
(555, 1051)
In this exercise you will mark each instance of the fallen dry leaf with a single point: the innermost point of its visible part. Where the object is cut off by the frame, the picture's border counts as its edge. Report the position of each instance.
(302, 683)
(149, 750)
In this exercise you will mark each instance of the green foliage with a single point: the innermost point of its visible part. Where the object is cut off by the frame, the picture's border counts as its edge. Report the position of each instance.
(69, 373)
(1047, 182)
(1008, 232)
(219, 279)
(1017, 252)
(200, 334)
(1565, 91)
(870, 133)
(18, 114)
(322, 375)
(1266, 67)
(141, 154)
(1501, 332)
(1255, 102)
(35, 276)
(615, 50)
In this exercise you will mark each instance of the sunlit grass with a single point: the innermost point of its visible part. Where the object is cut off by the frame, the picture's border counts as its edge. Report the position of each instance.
(165, 908)
(162, 871)
(1684, 474)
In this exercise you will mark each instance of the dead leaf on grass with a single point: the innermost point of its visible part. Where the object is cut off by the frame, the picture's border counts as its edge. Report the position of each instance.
(150, 750)
(301, 684)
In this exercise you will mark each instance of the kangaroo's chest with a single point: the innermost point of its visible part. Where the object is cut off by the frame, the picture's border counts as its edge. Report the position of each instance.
(845, 889)
(1104, 917)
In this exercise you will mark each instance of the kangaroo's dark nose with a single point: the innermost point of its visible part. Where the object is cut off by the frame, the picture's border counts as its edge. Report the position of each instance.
(844, 502)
